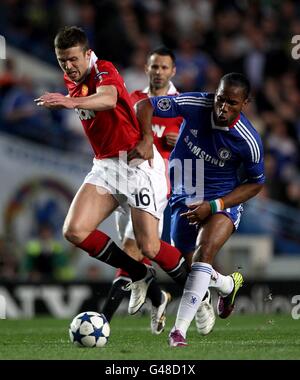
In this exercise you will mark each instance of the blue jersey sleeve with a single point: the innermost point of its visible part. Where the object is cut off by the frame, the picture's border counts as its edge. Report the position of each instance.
(253, 161)
(185, 105)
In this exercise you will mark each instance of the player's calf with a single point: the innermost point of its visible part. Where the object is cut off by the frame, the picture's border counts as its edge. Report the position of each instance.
(115, 296)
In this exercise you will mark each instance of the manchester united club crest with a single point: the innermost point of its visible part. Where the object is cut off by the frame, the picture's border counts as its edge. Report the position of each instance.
(224, 154)
(164, 104)
(84, 90)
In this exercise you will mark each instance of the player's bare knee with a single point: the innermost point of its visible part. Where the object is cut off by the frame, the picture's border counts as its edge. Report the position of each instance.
(68, 234)
(150, 248)
(72, 234)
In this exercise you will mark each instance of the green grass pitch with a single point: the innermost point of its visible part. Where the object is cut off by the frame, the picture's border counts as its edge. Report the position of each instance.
(238, 337)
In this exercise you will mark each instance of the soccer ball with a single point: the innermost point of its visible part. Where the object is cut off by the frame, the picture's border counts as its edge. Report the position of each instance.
(89, 329)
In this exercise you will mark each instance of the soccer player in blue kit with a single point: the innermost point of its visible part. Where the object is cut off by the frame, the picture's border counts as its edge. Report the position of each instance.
(221, 155)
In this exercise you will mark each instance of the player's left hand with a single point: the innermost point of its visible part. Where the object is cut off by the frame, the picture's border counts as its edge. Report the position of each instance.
(142, 151)
(55, 100)
(198, 211)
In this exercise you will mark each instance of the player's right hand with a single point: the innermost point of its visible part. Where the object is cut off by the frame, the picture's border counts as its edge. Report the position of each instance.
(198, 212)
(143, 150)
(54, 100)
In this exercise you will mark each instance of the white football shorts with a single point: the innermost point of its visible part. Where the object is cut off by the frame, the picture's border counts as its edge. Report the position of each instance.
(140, 186)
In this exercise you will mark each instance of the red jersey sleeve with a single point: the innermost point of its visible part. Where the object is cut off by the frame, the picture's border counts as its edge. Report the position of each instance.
(107, 75)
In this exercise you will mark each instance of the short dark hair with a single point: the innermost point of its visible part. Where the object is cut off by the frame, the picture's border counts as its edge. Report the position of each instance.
(163, 50)
(70, 36)
(237, 80)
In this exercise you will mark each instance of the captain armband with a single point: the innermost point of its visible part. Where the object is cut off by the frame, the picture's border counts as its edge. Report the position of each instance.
(216, 205)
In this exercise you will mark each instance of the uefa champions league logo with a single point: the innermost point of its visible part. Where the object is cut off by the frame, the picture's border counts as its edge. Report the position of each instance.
(164, 104)
(2, 48)
(2, 307)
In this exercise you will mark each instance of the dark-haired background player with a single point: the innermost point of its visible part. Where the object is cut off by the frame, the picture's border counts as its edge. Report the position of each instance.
(160, 69)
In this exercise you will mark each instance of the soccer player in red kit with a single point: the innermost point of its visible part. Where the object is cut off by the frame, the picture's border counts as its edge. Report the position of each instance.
(121, 174)
(160, 69)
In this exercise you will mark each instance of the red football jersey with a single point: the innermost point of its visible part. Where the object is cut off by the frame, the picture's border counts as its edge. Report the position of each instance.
(160, 126)
(111, 131)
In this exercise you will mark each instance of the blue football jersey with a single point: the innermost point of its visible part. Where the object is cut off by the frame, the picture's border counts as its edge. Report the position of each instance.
(209, 161)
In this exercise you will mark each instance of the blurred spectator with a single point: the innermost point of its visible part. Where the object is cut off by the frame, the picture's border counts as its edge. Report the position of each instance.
(45, 257)
(68, 12)
(191, 66)
(255, 59)
(134, 76)
(226, 57)
(23, 118)
(188, 13)
(9, 260)
(293, 193)
(8, 77)
(282, 147)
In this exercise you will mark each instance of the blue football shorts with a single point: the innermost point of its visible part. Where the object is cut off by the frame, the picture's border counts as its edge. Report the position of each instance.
(184, 235)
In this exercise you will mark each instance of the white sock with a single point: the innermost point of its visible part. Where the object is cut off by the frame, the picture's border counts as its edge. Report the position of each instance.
(194, 291)
(223, 284)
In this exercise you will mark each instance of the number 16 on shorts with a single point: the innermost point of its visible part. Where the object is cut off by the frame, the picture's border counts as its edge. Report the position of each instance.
(142, 198)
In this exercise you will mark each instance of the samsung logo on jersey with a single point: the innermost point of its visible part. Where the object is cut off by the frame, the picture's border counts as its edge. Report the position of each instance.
(85, 114)
(200, 153)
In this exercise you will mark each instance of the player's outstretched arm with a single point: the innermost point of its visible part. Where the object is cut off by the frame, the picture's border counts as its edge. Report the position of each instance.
(242, 194)
(54, 100)
(104, 99)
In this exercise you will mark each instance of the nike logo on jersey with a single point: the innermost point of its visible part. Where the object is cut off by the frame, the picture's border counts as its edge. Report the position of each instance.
(158, 130)
(194, 132)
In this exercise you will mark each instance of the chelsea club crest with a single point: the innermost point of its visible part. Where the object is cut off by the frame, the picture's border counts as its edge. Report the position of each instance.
(224, 154)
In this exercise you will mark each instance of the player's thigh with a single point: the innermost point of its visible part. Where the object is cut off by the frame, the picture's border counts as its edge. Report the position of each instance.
(90, 206)
(123, 220)
(212, 236)
(149, 187)
(125, 228)
(146, 231)
(183, 234)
